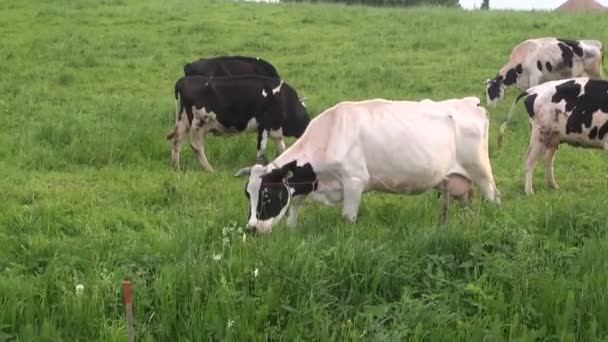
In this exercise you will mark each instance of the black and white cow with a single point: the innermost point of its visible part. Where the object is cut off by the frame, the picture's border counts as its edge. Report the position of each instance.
(536, 61)
(230, 65)
(574, 111)
(232, 105)
(375, 145)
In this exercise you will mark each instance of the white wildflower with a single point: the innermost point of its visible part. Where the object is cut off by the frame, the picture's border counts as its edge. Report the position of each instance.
(225, 231)
(244, 237)
(255, 273)
(217, 257)
(230, 323)
(79, 290)
(225, 241)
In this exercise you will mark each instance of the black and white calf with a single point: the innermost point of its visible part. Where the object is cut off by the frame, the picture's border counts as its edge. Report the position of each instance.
(574, 111)
(536, 61)
(376, 145)
(230, 65)
(232, 105)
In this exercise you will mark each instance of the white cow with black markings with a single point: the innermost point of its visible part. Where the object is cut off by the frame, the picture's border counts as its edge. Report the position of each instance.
(572, 111)
(375, 145)
(539, 60)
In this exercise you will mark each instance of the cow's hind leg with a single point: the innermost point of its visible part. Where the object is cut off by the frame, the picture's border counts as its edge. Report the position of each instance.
(536, 149)
(549, 158)
(198, 137)
(180, 130)
(352, 192)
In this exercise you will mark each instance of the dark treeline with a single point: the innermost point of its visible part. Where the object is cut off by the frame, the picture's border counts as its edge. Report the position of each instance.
(450, 3)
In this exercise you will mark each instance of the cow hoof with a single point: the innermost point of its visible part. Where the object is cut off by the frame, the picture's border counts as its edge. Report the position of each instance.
(554, 186)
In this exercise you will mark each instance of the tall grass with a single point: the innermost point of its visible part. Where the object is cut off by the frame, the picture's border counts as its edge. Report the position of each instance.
(87, 195)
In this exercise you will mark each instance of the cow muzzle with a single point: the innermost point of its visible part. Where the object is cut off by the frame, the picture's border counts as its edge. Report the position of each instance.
(259, 226)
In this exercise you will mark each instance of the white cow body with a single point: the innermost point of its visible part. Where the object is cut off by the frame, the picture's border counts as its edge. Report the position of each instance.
(388, 146)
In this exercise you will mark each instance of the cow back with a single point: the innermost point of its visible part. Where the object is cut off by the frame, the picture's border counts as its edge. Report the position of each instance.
(230, 65)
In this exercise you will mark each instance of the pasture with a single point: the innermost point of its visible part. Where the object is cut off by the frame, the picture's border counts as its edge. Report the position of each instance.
(87, 194)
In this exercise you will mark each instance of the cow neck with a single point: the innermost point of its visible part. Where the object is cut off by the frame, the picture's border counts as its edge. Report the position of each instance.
(297, 152)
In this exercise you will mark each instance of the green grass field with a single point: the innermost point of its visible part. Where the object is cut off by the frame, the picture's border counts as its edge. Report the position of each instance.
(87, 195)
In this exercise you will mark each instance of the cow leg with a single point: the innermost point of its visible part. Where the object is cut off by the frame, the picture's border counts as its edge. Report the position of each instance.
(549, 158)
(180, 130)
(198, 137)
(481, 174)
(535, 150)
(352, 192)
(292, 215)
(446, 202)
(277, 137)
(262, 143)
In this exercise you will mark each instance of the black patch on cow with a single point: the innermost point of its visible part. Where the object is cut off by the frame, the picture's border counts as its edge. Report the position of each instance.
(230, 65)
(304, 180)
(511, 76)
(539, 65)
(593, 133)
(583, 106)
(274, 189)
(529, 102)
(603, 130)
(519, 68)
(248, 199)
(494, 88)
(273, 195)
(567, 54)
(567, 91)
(548, 66)
(574, 45)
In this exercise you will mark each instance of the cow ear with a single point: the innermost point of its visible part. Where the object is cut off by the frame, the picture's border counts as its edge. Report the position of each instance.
(246, 171)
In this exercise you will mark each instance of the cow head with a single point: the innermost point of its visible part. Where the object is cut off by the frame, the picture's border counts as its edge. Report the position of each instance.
(495, 90)
(270, 190)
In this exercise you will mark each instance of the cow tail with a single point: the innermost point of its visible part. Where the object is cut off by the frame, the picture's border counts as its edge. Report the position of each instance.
(503, 127)
(177, 110)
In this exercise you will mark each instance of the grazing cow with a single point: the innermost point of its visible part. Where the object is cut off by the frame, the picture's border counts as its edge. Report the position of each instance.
(574, 111)
(375, 145)
(232, 105)
(536, 61)
(230, 65)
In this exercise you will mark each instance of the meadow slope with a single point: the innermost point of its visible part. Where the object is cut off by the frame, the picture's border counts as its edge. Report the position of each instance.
(87, 195)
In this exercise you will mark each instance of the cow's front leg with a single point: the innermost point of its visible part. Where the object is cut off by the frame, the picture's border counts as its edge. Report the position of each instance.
(262, 143)
(277, 137)
(353, 190)
(198, 133)
(292, 216)
(446, 202)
